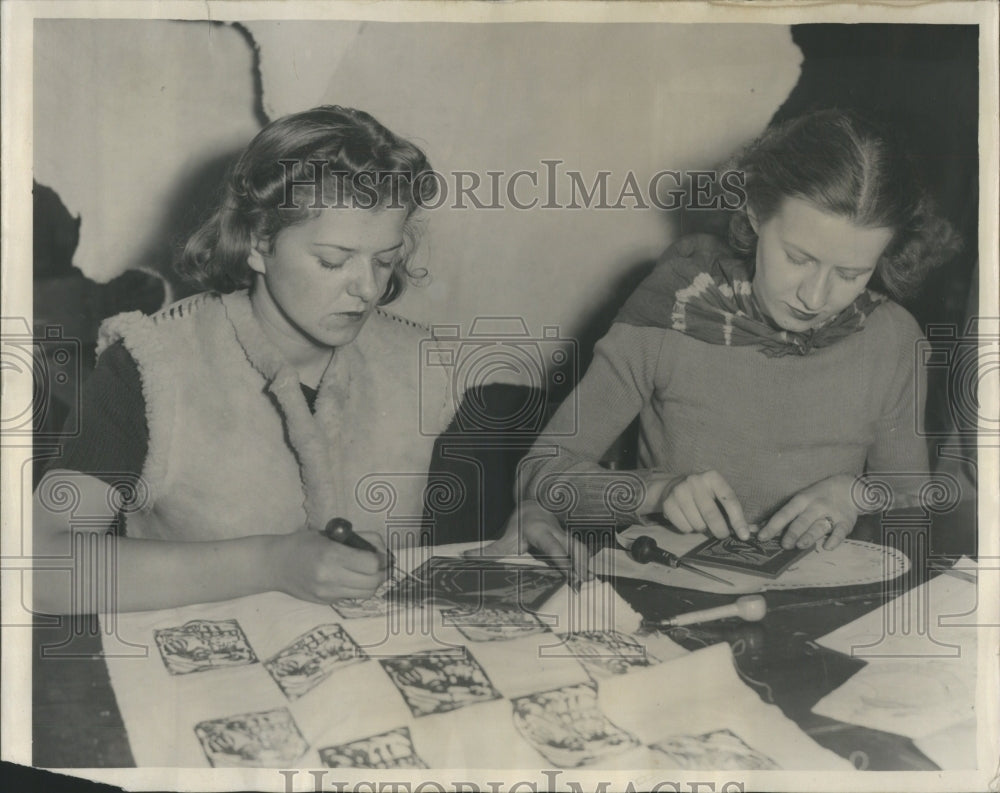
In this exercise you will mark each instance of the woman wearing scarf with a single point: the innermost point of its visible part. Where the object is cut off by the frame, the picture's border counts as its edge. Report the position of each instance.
(770, 370)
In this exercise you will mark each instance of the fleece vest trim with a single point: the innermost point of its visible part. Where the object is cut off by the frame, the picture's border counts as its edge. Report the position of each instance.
(233, 447)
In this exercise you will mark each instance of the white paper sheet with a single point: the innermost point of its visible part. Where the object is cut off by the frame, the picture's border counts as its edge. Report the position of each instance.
(921, 675)
(852, 562)
(953, 748)
(934, 620)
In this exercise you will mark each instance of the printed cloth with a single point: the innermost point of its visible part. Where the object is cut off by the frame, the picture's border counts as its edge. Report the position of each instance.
(271, 682)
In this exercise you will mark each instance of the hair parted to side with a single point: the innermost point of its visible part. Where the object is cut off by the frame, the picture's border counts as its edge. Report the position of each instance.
(846, 165)
(273, 185)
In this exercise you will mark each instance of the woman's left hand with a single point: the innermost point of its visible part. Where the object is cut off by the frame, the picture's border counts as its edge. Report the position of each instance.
(825, 508)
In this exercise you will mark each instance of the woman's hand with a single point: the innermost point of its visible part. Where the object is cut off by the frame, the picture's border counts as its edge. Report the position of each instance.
(309, 566)
(825, 508)
(531, 527)
(703, 501)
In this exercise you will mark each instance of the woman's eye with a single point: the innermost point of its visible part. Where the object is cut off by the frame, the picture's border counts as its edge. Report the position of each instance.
(338, 265)
(849, 276)
(794, 260)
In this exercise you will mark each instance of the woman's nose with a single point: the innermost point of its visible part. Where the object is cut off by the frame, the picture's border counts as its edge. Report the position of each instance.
(364, 285)
(812, 292)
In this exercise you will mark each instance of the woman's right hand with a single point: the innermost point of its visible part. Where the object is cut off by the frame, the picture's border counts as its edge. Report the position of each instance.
(309, 566)
(703, 501)
(532, 527)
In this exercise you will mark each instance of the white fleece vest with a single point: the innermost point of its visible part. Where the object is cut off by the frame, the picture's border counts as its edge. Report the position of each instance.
(233, 447)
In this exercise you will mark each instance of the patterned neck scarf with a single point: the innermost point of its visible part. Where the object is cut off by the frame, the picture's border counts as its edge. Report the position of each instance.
(701, 288)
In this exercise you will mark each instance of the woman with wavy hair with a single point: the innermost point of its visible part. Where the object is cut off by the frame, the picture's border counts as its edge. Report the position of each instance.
(772, 369)
(247, 414)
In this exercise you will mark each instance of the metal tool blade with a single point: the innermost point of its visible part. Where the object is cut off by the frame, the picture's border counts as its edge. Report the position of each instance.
(693, 569)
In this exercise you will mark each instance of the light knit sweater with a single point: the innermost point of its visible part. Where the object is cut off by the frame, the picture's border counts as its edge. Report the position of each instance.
(769, 426)
(233, 447)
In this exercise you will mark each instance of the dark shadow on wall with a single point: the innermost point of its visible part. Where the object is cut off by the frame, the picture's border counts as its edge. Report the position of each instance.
(67, 310)
(192, 198)
(922, 81)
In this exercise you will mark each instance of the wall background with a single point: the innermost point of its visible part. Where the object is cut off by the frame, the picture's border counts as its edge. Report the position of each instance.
(134, 120)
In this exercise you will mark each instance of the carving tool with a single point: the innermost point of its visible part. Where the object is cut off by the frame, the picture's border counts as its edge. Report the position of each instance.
(645, 550)
(342, 530)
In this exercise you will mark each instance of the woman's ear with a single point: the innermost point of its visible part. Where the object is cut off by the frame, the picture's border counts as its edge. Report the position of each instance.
(255, 258)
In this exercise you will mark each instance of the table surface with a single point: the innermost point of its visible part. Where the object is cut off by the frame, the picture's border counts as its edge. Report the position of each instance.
(76, 723)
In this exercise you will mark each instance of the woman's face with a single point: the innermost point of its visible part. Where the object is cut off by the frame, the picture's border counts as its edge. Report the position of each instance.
(812, 264)
(323, 277)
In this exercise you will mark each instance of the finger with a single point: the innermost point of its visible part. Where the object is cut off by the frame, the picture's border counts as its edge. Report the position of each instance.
(783, 517)
(840, 531)
(341, 591)
(819, 529)
(507, 545)
(731, 504)
(577, 560)
(338, 583)
(548, 543)
(518, 531)
(704, 499)
(672, 512)
(685, 500)
(559, 548)
(358, 561)
(580, 559)
(376, 539)
(798, 529)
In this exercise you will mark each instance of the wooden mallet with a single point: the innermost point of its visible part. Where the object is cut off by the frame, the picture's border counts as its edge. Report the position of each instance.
(749, 607)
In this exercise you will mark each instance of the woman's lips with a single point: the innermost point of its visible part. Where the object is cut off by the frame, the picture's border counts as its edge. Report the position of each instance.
(805, 316)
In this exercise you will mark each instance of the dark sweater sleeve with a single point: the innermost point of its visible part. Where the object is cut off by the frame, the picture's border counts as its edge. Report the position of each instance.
(563, 465)
(114, 436)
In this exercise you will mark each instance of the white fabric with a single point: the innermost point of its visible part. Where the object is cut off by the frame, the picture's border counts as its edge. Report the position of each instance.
(704, 695)
(359, 700)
